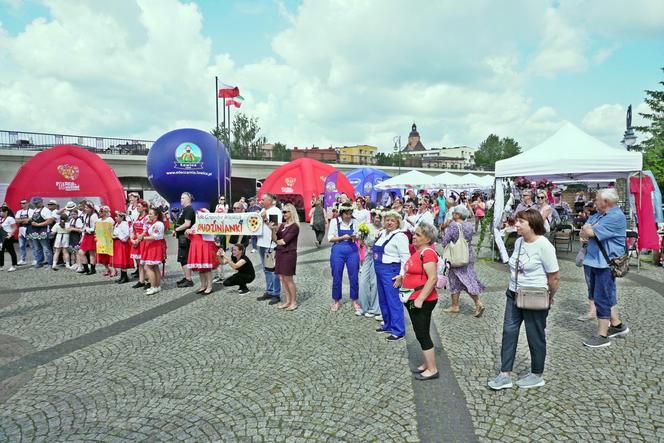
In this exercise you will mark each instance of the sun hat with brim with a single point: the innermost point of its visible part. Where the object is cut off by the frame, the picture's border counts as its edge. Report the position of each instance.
(52, 202)
(70, 205)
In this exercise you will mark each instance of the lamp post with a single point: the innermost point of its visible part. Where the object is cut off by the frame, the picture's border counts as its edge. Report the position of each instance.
(629, 138)
(397, 150)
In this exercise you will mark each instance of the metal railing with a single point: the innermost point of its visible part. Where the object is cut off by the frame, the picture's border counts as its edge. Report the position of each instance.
(39, 141)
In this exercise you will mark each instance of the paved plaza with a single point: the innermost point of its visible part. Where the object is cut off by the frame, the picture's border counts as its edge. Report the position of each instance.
(85, 359)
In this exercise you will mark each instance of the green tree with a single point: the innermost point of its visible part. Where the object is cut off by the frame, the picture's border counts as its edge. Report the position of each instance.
(245, 138)
(280, 152)
(493, 149)
(653, 146)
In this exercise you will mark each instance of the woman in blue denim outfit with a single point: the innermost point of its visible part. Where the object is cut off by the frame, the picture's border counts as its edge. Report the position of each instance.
(368, 289)
(533, 264)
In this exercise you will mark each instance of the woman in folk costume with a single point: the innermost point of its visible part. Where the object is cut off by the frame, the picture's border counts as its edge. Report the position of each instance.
(152, 251)
(138, 225)
(104, 240)
(121, 246)
(88, 243)
(202, 257)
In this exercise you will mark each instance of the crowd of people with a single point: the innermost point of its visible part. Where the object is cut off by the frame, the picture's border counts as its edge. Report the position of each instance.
(389, 253)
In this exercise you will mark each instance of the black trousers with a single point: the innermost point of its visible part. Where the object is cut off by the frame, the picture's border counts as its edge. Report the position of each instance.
(421, 320)
(319, 235)
(8, 246)
(240, 280)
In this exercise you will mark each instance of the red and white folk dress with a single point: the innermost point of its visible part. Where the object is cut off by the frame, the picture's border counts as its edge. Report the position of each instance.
(137, 227)
(88, 242)
(153, 251)
(202, 253)
(122, 246)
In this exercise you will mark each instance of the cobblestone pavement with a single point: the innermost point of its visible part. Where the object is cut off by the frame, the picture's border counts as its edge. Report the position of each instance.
(84, 359)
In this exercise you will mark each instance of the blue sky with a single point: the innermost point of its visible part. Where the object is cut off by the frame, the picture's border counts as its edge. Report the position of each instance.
(331, 72)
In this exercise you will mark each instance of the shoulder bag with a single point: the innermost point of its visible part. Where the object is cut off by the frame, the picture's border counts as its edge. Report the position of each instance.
(619, 266)
(530, 297)
(457, 253)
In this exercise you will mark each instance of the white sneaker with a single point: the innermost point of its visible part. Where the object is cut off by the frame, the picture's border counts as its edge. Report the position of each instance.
(253, 251)
(157, 289)
(369, 315)
(12, 269)
(22, 262)
(34, 262)
(150, 291)
(379, 318)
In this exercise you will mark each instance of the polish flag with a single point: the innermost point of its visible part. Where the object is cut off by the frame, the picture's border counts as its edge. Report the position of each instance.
(228, 91)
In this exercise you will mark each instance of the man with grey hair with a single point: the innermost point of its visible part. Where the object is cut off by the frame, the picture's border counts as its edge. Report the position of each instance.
(265, 244)
(526, 202)
(606, 236)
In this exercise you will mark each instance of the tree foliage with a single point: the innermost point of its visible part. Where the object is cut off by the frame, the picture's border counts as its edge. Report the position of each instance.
(653, 146)
(280, 153)
(245, 137)
(493, 149)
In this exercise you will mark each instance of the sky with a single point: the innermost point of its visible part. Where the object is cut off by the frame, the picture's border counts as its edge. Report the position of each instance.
(337, 72)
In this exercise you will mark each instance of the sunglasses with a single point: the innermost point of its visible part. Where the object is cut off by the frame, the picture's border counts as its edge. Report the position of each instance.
(285, 212)
(237, 208)
(540, 197)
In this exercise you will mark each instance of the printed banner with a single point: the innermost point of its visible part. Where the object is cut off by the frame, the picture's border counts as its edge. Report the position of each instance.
(331, 191)
(104, 237)
(246, 223)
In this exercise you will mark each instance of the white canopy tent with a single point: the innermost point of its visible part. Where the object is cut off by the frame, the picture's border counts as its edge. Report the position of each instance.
(568, 155)
(571, 154)
(410, 180)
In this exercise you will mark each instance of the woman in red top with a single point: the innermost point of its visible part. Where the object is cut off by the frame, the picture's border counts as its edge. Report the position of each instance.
(421, 276)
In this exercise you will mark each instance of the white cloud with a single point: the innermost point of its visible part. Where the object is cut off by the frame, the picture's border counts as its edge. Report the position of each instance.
(342, 72)
(562, 47)
(608, 121)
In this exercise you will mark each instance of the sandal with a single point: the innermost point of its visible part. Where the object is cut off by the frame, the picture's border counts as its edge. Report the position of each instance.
(291, 308)
(282, 306)
(200, 291)
(479, 310)
(335, 306)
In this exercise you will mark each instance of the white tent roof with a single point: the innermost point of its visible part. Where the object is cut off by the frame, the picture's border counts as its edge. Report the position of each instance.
(571, 154)
(447, 179)
(410, 180)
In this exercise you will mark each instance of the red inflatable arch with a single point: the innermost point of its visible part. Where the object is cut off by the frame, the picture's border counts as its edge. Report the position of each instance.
(304, 177)
(65, 173)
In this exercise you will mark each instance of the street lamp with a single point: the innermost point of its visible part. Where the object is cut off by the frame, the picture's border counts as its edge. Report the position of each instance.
(397, 149)
(629, 138)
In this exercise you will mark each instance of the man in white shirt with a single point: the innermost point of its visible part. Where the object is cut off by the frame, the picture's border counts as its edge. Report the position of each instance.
(270, 212)
(424, 215)
(23, 217)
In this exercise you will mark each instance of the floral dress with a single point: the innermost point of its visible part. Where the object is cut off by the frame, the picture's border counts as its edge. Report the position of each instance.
(463, 278)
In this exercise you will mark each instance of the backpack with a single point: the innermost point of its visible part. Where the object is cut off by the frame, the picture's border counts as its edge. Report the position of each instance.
(442, 269)
(457, 253)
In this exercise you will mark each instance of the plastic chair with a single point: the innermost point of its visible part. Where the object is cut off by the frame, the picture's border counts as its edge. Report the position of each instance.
(632, 245)
(563, 236)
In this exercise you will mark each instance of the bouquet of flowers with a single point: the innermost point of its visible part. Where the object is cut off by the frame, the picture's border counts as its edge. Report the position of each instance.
(362, 231)
(522, 183)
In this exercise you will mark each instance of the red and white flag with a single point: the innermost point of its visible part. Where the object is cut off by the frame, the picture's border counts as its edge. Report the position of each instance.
(228, 91)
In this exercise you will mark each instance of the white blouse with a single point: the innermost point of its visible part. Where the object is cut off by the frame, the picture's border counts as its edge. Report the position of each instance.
(334, 229)
(121, 231)
(396, 250)
(156, 231)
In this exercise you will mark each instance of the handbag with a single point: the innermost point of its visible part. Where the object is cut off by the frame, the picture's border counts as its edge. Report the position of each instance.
(457, 253)
(270, 259)
(619, 266)
(580, 256)
(530, 297)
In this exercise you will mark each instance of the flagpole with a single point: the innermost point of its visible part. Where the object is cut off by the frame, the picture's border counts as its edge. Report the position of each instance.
(216, 102)
(230, 180)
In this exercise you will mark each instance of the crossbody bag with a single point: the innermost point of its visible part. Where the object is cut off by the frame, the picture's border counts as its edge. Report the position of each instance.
(619, 266)
(530, 297)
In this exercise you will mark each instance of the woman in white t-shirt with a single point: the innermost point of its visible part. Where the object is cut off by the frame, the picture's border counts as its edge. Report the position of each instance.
(7, 228)
(533, 264)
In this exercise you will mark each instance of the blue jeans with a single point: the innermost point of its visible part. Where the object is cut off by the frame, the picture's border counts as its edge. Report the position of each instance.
(22, 247)
(391, 307)
(272, 283)
(601, 289)
(254, 241)
(41, 250)
(535, 333)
